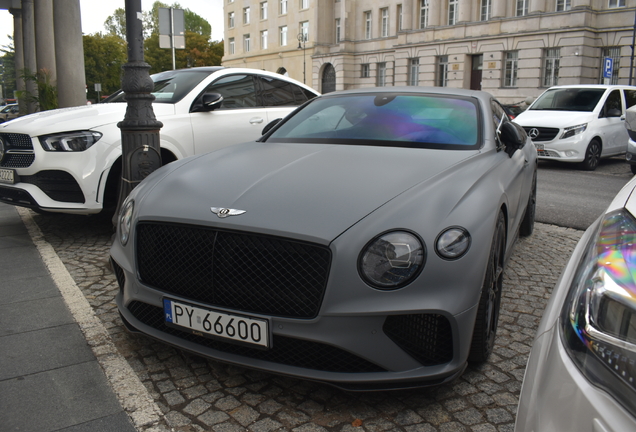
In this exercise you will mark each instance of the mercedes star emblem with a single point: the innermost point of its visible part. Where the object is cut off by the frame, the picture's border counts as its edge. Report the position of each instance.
(534, 132)
(225, 212)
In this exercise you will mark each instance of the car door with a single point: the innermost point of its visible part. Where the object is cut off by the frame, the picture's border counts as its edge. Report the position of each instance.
(281, 97)
(241, 117)
(611, 124)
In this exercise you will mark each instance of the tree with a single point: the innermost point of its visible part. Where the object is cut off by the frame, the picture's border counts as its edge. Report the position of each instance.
(104, 55)
(115, 24)
(7, 69)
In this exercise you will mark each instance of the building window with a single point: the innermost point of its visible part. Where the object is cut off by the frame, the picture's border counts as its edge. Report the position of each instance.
(563, 5)
(304, 30)
(615, 54)
(283, 7)
(511, 64)
(337, 30)
(414, 72)
(304, 4)
(486, 8)
(365, 71)
(263, 10)
(246, 15)
(452, 11)
(423, 13)
(616, 3)
(399, 17)
(230, 48)
(283, 35)
(551, 67)
(441, 80)
(367, 25)
(522, 7)
(230, 20)
(247, 45)
(384, 22)
(380, 79)
(264, 39)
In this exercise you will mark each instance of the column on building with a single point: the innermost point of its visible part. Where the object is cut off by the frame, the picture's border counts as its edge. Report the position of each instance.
(45, 39)
(435, 12)
(30, 64)
(536, 6)
(465, 12)
(69, 54)
(19, 53)
(407, 7)
(499, 8)
(581, 4)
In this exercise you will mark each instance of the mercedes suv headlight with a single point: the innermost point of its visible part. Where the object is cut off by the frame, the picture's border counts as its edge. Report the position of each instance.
(392, 260)
(69, 141)
(573, 130)
(598, 321)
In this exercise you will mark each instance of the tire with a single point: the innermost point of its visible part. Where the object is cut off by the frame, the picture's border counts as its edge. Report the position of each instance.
(527, 224)
(592, 156)
(633, 168)
(485, 330)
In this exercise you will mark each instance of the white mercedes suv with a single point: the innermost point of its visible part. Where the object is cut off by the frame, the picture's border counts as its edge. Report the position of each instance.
(69, 160)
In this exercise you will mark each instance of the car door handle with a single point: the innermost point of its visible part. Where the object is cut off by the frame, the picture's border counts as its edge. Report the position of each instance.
(256, 120)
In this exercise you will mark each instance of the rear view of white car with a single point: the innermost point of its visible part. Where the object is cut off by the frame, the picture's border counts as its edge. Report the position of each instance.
(581, 374)
(579, 123)
(68, 160)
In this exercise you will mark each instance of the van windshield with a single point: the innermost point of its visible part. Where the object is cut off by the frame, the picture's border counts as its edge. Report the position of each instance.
(569, 99)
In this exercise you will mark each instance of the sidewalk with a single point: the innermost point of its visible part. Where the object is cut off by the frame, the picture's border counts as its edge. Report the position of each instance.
(50, 379)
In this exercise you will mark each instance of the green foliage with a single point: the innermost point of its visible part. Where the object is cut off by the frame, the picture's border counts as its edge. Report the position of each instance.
(7, 69)
(200, 51)
(46, 99)
(104, 55)
(115, 24)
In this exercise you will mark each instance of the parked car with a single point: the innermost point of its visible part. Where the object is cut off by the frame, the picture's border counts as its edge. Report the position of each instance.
(361, 241)
(581, 374)
(579, 123)
(68, 160)
(630, 124)
(9, 112)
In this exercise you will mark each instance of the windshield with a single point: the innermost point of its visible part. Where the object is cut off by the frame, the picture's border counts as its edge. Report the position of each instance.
(569, 99)
(170, 86)
(385, 119)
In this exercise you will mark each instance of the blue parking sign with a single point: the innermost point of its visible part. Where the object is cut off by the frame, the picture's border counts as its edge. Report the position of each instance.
(608, 67)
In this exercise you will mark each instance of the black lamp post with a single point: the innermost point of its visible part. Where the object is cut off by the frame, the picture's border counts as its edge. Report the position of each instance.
(302, 39)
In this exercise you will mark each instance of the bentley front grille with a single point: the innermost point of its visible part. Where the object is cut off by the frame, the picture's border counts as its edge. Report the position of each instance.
(284, 350)
(241, 271)
(428, 338)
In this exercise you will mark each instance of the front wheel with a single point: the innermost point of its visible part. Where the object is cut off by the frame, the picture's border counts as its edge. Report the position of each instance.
(483, 340)
(592, 156)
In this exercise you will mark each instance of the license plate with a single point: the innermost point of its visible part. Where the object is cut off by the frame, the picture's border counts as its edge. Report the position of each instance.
(7, 176)
(207, 322)
(539, 146)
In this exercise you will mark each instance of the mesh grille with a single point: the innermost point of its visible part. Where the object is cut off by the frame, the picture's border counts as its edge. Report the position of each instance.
(288, 351)
(57, 185)
(245, 272)
(17, 142)
(545, 134)
(547, 153)
(17, 160)
(119, 274)
(428, 338)
(21, 141)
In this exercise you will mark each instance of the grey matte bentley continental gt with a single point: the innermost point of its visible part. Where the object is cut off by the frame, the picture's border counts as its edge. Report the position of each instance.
(361, 241)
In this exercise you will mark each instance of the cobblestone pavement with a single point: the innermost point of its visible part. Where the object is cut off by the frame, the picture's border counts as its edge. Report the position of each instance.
(196, 394)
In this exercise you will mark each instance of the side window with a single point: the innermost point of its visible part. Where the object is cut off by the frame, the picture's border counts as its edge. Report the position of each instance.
(498, 113)
(275, 92)
(630, 98)
(613, 102)
(238, 91)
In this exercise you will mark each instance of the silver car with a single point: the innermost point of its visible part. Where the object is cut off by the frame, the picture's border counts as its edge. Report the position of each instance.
(581, 374)
(360, 242)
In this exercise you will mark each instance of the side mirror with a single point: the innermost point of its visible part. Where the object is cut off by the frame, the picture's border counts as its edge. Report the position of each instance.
(512, 136)
(211, 101)
(268, 127)
(614, 112)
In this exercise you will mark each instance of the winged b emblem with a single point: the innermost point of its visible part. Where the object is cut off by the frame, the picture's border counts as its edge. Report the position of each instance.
(225, 212)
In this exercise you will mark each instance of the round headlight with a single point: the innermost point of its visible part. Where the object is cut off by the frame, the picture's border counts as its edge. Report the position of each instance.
(452, 243)
(392, 260)
(125, 221)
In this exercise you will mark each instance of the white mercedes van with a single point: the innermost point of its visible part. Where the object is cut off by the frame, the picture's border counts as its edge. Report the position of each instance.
(579, 123)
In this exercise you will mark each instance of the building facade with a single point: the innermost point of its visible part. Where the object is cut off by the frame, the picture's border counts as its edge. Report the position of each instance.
(513, 49)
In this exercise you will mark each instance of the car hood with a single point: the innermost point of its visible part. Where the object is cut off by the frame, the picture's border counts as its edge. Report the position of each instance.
(82, 117)
(553, 119)
(312, 192)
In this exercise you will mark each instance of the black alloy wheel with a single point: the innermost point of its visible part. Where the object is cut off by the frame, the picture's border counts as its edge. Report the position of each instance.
(592, 156)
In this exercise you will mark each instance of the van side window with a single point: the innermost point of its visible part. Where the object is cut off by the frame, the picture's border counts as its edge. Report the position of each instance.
(630, 98)
(613, 102)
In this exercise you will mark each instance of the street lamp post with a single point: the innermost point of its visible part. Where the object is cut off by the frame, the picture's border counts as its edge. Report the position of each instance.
(302, 39)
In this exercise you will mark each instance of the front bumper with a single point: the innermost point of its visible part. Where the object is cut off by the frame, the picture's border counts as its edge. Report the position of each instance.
(567, 150)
